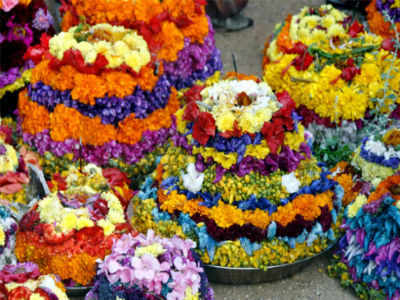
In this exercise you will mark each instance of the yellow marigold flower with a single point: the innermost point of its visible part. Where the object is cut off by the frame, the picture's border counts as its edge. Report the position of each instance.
(2, 238)
(354, 207)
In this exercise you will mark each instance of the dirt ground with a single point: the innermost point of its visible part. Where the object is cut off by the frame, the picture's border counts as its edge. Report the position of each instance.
(312, 283)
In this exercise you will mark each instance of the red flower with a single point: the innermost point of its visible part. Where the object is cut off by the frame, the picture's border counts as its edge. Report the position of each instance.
(350, 71)
(29, 221)
(236, 132)
(302, 62)
(42, 293)
(19, 293)
(388, 44)
(204, 127)
(193, 94)
(115, 177)
(51, 236)
(298, 48)
(36, 53)
(3, 292)
(191, 112)
(355, 29)
(274, 134)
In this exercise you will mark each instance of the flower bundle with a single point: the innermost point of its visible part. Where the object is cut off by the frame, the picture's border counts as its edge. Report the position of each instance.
(23, 281)
(67, 231)
(381, 14)
(241, 180)
(99, 95)
(8, 229)
(149, 266)
(378, 157)
(339, 75)
(21, 25)
(368, 255)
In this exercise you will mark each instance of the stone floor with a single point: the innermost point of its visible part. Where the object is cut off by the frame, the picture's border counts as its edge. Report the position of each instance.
(312, 283)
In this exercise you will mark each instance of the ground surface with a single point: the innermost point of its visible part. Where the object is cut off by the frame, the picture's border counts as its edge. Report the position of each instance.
(312, 283)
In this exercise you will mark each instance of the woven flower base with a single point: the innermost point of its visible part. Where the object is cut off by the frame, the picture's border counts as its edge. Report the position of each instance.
(335, 71)
(148, 267)
(21, 23)
(23, 282)
(241, 180)
(67, 231)
(368, 255)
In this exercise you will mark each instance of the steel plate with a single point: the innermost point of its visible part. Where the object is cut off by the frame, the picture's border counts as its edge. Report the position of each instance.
(78, 291)
(227, 275)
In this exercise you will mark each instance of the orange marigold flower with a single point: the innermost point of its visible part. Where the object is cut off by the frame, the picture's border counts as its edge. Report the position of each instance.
(172, 41)
(145, 10)
(283, 40)
(198, 29)
(377, 23)
(35, 117)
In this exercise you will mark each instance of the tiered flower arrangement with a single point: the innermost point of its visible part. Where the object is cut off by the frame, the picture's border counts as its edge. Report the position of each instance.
(67, 231)
(340, 77)
(14, 175)
(368, 255)
(21, 25)
(23, 282)
(150, 267)
(378, 157)
(102, 86)
(381, 15)
(8, 229)
(241, 180)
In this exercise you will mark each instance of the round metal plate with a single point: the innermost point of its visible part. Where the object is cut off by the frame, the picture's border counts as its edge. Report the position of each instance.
(226, 275)
(78, 291)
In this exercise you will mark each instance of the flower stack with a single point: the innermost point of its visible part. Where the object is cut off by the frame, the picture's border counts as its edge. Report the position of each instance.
(21, 25)
(178, 32)
(8, 229)
(378, 157)
(382, 16)
(23, 281)
(336, 73)
(67, 231)
(368, 255)
(100, 95)
(241, 180)
(149, 266)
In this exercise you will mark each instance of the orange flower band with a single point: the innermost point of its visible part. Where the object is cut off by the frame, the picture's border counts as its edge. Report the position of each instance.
(67, 123)
(377, 23)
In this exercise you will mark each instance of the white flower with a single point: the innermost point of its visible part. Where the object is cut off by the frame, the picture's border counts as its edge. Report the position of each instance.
(376, 147)
(291, 183)
(193, 180)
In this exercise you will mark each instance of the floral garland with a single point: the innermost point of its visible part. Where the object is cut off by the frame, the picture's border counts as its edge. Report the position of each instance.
(367, 257)
(21, 24)
(8, 229)
(158, 267)
(378, 157)
(252, 185)
(376, 20)
(71, 228)
(329, 57)
(23, 281)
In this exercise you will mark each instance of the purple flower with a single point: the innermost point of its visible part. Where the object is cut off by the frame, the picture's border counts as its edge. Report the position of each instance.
(3, 149)
(43, 20)
(18, 32)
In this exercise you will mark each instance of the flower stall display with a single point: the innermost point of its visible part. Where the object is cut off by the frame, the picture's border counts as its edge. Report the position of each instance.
(67, 231)
(21, 25)
(99, 96)
(150, 267)
(382, 16)
(240, 180)
(8, 229)
(342, 78)
(378, 157)
(23, 281)
(368, 256)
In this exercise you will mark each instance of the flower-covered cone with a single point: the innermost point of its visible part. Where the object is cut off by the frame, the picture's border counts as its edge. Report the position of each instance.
(101, 95)
(68, 230)
(338, 75)
(21, 25)
(368, 255)
(241, 180)
(148, 267)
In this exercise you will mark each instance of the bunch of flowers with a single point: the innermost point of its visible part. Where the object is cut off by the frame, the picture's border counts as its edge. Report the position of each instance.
(23, 281)
(339, 75)
(378, 157)
(241, 180)
(150, 267)
(381, 14)
(99, 94)
(21, 25)
(67, 231)
(8, 229)
(14, 175)
(368, 255)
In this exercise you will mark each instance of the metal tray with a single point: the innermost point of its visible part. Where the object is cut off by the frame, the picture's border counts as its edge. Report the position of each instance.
(227, 275)
(78, 291)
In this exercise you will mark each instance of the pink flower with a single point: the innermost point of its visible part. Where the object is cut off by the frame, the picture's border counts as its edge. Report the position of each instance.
(7, 5)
